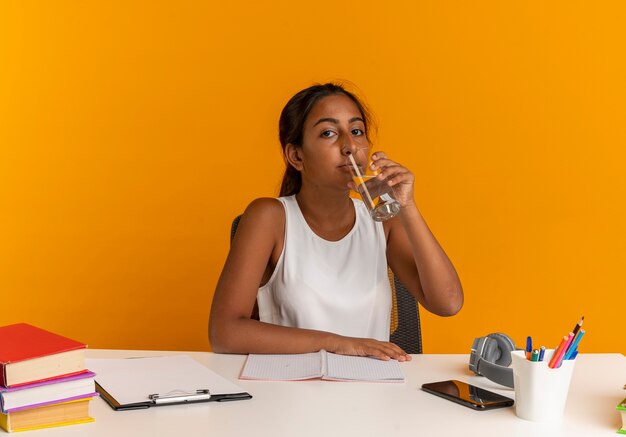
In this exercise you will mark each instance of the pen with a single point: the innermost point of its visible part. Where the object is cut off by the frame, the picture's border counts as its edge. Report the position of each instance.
(542, 351)
(574, 345)
(557, 351)
(535, 355)
(559, 360)
(529, 347)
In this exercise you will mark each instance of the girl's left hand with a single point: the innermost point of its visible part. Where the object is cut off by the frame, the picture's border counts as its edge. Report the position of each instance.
(398, 177)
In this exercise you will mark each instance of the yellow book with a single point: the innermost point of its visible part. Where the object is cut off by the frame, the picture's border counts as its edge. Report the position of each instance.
(47, 416)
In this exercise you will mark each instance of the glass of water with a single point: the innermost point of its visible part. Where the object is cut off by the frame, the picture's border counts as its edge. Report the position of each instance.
(378, 197)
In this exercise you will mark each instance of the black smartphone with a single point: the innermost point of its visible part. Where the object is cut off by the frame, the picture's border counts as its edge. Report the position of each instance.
(468, 395)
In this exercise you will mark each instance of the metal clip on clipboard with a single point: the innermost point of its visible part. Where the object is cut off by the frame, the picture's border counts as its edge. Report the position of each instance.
(180, 396)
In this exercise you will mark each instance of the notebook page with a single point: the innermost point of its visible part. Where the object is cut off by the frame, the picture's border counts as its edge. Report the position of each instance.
(351, 368)
(286, 367)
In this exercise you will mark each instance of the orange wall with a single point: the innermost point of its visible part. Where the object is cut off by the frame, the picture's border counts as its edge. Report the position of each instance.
(131, 133)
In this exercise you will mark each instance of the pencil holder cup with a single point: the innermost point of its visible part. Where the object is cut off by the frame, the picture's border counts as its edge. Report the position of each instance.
(540, 392)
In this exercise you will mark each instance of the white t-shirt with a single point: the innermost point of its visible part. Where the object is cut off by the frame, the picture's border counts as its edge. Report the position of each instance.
(334, 286)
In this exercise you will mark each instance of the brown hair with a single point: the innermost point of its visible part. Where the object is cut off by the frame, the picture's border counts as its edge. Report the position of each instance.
(291, 125)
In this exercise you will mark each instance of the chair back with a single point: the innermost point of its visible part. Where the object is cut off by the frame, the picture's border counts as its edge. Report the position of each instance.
(405, 326)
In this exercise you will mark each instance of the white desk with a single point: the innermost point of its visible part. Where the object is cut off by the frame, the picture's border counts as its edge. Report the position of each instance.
(323, 408)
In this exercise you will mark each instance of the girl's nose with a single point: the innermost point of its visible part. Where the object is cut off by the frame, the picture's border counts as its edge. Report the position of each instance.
(352, 148)
(349, 147)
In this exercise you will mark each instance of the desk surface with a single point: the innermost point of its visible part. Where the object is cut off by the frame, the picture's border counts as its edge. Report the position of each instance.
(316, 408)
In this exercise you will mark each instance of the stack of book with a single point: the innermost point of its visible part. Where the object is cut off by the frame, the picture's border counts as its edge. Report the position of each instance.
(43, 380)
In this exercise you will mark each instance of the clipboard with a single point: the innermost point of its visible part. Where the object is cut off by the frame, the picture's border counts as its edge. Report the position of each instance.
(137, 383)
(171, 399)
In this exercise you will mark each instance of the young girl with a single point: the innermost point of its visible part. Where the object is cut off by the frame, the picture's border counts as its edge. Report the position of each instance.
(313, 259)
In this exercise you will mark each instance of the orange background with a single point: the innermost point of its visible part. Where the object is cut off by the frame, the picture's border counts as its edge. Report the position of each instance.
(131, 134)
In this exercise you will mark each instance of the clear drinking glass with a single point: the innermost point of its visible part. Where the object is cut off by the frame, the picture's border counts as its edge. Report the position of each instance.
(378, 197)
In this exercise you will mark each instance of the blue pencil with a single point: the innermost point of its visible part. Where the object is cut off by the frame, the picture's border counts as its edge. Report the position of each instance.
(574, 345)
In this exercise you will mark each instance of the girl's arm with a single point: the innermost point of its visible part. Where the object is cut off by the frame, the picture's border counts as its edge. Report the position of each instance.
(413, 253)
(252, 258)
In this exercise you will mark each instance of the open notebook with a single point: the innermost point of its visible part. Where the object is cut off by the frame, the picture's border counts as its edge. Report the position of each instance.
(323, 365)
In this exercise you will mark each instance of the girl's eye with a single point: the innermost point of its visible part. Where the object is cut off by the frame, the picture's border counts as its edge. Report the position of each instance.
(328, 134)
(357, 132)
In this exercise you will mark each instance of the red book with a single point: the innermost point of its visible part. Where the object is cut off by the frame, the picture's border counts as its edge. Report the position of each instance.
(29, 354)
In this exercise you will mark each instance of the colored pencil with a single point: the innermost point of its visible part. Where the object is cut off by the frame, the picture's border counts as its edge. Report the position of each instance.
(572, 347)
(562, 351)
(578, 325)
(557, 351)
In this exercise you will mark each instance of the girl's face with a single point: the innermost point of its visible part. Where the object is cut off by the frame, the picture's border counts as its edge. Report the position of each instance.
(333, 129)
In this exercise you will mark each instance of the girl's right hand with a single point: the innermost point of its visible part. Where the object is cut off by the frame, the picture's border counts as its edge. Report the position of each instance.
(367, 347)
